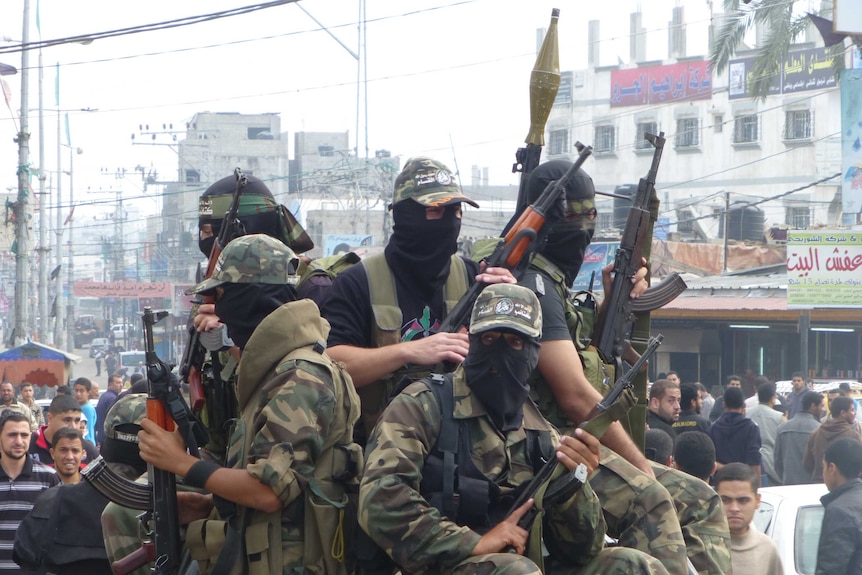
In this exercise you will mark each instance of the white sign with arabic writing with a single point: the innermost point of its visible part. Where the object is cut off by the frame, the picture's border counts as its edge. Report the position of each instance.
(824, 269)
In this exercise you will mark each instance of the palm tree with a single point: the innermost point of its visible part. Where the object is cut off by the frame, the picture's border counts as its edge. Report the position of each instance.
(785, 28)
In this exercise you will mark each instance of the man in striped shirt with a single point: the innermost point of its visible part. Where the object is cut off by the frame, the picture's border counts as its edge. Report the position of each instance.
(21, 480)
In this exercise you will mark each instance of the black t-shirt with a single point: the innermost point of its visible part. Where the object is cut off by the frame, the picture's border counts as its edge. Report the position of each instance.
(554, 325)
(348, 308)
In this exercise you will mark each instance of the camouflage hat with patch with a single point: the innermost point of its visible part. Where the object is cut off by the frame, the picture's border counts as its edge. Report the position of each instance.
(430, 183)
(255, 258)
(507, 306)
(127, 411)
(122, 424)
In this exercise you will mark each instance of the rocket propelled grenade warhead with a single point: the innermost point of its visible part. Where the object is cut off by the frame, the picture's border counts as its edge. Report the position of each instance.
(544, 82)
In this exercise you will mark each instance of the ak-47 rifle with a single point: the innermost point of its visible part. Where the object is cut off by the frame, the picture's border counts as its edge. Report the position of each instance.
(517, 246)
(544, 83)
(620, 308)
(215, 397)
(614, 405)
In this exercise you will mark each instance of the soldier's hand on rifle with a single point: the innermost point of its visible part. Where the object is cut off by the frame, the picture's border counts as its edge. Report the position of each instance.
(505, 534)
(437, 348)
(583, 448)
(193, 506)
(639, 283)
(206, 319)
(164, 449)
(495, 275)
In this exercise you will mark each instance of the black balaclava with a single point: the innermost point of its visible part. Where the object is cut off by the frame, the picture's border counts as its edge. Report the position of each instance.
(257, 210)
(422, 248)
(243, 306)
(565, 241)
(497, 375)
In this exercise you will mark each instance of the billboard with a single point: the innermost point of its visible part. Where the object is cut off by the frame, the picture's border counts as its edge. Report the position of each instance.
(802, 70)
(851, 141)
(823, 269)
(597, 256)
(661, 84)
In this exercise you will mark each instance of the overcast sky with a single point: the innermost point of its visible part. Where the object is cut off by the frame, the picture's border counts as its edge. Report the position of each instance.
(445, 78)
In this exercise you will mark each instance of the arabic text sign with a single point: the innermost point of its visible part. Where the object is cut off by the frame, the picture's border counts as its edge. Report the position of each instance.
(824, 269)
(129, 290)
(657, 84)
(802, 70)
(597, 256)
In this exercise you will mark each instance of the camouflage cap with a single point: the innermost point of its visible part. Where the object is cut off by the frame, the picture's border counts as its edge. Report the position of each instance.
(507, 306)
(430, 183)
(255, 258)
(126, 413)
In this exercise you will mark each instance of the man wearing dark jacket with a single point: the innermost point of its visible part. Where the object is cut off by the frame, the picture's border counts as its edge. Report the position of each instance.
(736, 438)
(841, 423)
(690, 406)
(840, 549)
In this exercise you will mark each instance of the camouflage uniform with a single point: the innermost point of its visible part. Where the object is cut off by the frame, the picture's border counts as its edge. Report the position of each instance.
(298, 409)
(36, 411)
(23, 409)
(398, 517)
(702, 518)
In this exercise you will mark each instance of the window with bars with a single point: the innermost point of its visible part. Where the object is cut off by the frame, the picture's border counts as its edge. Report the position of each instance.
(641, 129)
(605, 220)
(559, 142)
(685, 217)
(745, 129)
(606, 139)
(799, 217)
(687, 133)
(798, 125)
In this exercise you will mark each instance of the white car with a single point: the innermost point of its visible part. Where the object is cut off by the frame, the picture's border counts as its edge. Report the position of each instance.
(792, 516)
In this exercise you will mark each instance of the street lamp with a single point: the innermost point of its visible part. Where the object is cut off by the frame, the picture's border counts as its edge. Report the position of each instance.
(70, 306)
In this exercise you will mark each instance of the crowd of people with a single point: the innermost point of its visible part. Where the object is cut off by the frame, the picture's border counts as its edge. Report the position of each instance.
(365, 440)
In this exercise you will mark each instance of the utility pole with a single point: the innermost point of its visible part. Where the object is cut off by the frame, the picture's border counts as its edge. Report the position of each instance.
(44, 248)
(58, 245)
(23, 208)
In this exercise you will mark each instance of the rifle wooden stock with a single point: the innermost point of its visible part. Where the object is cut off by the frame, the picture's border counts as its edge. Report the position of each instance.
(145, 554)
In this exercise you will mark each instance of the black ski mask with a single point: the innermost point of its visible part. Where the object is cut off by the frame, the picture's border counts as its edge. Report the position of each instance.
(422, 247)
(243, 306)
(497, 374)
(566, 240)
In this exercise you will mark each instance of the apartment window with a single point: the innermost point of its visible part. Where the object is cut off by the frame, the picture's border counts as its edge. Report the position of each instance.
(718, 123)
(687, 133)
(798, 125)
(559, 142)
(799, 218)
(644, 128)
(606, 139)
(326, 151)
(605, 220)
(745, 129)
(684, 221)
(193, 177)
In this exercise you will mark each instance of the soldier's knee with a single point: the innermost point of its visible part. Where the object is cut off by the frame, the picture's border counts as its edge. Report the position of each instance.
(497, 564)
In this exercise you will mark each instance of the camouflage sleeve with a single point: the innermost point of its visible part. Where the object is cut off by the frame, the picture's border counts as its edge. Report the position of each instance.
(575, 530)
(289, 432)
(391, 509)
(121, 530)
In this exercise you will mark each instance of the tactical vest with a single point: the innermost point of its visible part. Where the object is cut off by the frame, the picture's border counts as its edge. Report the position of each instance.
(387, 323)
(254, 542)
(450, 480)
(580, 318)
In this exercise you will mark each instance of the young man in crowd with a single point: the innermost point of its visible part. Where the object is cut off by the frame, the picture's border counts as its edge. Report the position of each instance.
(63, 412)
(25, 396)
(736, 438)
(81, 393)
(791, 438)
(840, 548)
(22, 479)
(664, 408)
(67, 452)
(841, 423)
(690, 407)
(7, 401)
(752, 552)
